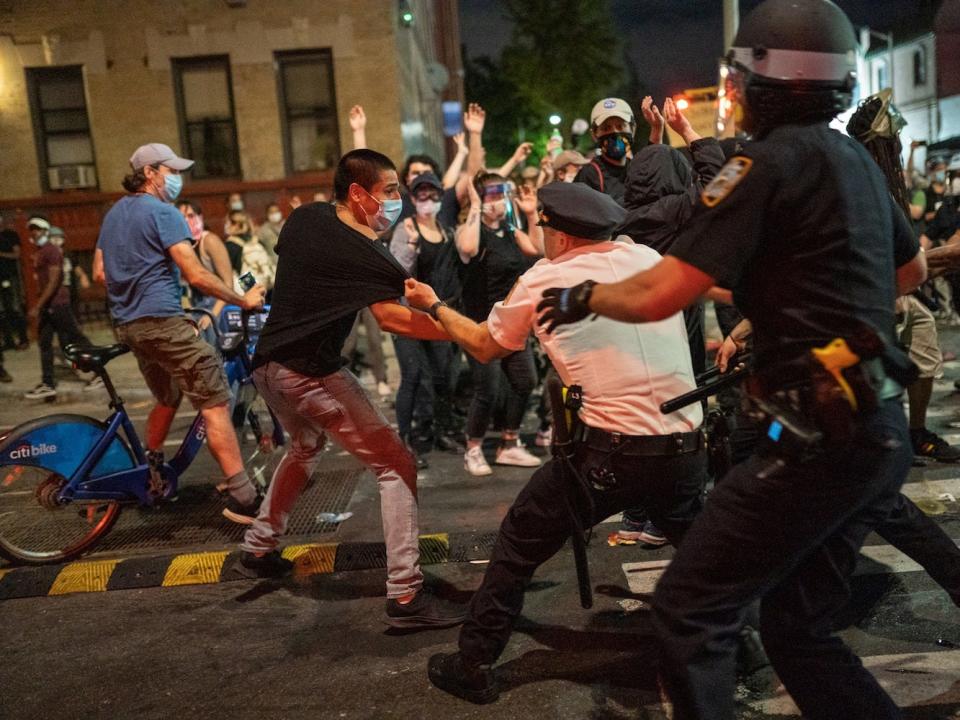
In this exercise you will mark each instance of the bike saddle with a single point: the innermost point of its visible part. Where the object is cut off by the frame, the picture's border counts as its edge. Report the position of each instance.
(93, 357)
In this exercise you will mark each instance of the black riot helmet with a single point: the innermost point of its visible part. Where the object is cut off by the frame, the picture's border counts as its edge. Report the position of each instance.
(793, 61)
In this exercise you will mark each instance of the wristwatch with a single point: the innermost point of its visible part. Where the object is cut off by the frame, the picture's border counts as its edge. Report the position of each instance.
(435, 307)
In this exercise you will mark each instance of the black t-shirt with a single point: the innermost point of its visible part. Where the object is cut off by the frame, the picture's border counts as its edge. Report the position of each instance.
(491, 273)
(605, 176)
(803, 229)
(326, 272)
(8, 241)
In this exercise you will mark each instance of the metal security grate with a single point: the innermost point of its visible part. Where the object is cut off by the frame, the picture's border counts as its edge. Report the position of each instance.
(194, 521)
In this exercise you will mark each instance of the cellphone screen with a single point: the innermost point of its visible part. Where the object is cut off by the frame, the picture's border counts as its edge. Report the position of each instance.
(452, 118)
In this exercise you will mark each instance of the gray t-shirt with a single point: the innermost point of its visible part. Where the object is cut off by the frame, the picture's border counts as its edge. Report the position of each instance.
(135, 238)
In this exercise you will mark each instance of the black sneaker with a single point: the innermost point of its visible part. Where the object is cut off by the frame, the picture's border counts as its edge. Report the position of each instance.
(452, 674)
(268, 565)
(424, 612)
(242, 514)
(930, 445)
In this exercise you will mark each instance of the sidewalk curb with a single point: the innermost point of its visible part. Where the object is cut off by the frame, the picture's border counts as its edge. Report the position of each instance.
(85, 576)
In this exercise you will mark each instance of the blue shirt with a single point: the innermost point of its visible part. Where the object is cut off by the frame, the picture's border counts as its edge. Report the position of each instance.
(142, 278)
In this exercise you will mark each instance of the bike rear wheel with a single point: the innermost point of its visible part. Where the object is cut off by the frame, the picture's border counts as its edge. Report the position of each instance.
(39, 529)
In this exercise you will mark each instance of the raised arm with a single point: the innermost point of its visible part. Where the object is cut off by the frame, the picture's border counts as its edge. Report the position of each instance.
(453, 172)
(519, 155)
(653, 117)
(358, 124)
(531, 242)
(467, 236)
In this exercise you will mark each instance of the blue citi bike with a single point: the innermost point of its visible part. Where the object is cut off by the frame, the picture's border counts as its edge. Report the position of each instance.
(64, 478)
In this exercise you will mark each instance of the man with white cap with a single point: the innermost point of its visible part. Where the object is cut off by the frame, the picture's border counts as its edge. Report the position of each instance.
(612, 126)
(52, 310)
(144, 245)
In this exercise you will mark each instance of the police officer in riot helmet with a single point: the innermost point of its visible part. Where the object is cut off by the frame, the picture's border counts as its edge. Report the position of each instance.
(801, 227)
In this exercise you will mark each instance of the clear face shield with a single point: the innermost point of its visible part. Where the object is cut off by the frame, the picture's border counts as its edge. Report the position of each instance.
(730, 99)
(497, 197)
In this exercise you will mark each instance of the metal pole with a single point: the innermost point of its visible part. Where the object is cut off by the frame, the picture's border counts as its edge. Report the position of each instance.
(889, 38)
(731, 21)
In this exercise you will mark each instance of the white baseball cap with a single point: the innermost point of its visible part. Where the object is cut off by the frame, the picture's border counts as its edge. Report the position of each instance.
(158, 154)
(610, 107)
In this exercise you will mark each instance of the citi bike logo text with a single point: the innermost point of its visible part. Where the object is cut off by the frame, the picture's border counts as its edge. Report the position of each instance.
(31, 451)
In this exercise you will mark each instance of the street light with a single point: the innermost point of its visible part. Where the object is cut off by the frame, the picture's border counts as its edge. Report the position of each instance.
(555, 119)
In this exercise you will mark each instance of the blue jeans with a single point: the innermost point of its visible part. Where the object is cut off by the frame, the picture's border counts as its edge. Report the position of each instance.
(519, 370)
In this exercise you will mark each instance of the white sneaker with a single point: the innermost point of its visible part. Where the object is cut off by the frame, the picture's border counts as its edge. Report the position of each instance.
(475, 463)
(544, 437)
(384, 390)
(516, 454)
(40, 392)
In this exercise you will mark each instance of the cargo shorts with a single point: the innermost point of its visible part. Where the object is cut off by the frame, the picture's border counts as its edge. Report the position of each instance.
(175, 362)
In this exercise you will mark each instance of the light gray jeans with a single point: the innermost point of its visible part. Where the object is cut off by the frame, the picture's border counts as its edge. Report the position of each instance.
(309, 408)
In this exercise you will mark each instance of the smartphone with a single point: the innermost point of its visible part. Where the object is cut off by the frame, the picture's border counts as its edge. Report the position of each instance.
(247, 281)
(452, 118)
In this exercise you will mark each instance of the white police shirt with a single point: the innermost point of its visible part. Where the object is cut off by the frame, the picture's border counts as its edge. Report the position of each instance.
(626, 370)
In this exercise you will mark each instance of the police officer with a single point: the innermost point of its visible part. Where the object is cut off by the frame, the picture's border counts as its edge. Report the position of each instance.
(802, 228)
(612, 126)
(627, 452)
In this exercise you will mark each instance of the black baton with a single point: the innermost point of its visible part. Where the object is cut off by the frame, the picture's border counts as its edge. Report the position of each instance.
(715, 382)
(562, 450)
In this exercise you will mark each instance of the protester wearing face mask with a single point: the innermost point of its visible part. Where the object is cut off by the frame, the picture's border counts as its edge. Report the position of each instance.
(567, 164)
(495, 255)
(52, 310)
(214, 257)
(331, 265)
(144, 246)
(247, 254)
(425, 390)
(269, 232)
(936, 190)
(612, 127)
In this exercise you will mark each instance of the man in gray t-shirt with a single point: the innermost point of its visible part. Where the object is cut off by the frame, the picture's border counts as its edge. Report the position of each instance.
(144, 246)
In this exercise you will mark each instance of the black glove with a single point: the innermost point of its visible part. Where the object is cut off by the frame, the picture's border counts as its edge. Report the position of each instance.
(561, 306)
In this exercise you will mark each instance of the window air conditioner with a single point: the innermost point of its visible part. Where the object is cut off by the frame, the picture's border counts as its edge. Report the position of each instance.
(65, 177)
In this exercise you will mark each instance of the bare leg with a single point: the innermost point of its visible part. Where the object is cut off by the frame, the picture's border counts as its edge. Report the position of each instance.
(158, 426)
(222, 440)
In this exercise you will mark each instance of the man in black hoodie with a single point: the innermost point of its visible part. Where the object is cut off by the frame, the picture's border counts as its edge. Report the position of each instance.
(661, 192)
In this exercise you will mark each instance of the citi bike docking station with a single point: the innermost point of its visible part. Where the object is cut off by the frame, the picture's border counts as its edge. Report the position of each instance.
(65, 477)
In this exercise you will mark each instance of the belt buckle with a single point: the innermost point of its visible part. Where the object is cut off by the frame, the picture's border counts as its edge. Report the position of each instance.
(678, 438)
(615, 439)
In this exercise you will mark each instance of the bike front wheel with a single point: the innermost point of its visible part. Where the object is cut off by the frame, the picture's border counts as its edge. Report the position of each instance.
(36, 527)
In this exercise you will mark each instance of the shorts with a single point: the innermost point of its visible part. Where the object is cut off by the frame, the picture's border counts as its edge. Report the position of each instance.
(918, 331)
(176, 362)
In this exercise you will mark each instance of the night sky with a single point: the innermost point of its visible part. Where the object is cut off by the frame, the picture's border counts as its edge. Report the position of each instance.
(675, 43)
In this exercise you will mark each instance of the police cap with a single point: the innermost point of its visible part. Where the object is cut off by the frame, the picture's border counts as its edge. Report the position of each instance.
(578, 210)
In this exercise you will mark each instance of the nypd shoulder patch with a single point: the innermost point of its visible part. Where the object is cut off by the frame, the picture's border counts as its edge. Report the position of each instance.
(726, 180)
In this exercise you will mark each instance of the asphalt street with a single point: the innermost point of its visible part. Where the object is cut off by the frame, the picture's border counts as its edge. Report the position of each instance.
(316, 646)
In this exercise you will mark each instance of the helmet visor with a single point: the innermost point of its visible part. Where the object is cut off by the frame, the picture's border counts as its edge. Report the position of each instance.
(731, 94)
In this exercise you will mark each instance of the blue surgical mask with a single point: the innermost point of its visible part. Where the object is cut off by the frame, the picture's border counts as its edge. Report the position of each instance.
(615, 145)
(940, 176)
(386, 216)
(172, 185)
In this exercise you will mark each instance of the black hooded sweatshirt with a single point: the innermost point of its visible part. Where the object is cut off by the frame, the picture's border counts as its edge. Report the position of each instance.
(661, 191)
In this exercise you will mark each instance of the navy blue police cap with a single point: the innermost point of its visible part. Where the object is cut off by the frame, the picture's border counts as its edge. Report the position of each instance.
(578, 210)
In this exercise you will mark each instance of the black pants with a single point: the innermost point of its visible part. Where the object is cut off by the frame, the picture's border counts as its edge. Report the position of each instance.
(57, 319)
(519, 370)
(11, 314)
(791, 538)
(538, 523)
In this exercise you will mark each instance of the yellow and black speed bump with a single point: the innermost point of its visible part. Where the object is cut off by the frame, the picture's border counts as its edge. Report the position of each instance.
(199, 568)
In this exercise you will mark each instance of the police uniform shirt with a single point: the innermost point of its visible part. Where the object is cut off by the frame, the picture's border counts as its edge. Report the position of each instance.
(626, 370)
(802, 228)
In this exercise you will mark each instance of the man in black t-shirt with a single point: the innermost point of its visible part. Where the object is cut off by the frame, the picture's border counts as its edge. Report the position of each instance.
(11, 300)
(330, 265)
(801, 226)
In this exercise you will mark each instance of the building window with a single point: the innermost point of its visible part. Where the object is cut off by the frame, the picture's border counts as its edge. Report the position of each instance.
(308, 110)
(881, 75)
(62, 128)
(208, 129)
(920, 66)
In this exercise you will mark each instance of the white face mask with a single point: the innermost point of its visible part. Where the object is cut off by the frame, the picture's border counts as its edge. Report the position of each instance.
(275, 217)
(427, 208)
(237, 205)
(496, 209)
